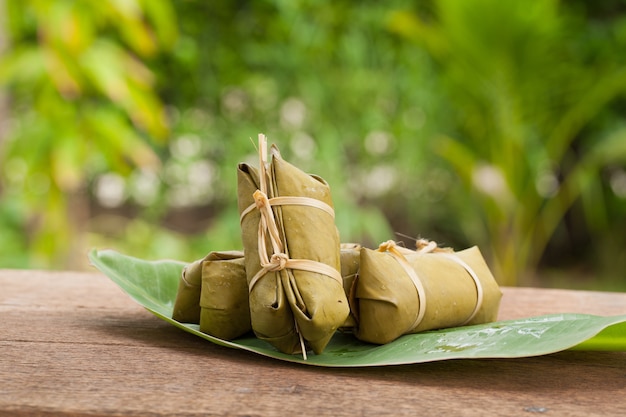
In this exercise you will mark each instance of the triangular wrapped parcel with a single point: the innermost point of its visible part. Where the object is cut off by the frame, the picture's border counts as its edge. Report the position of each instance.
(292, 252)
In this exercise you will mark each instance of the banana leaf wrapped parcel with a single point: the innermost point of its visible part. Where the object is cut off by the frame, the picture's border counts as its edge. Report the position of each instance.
(295, 285)
(213, 292)
(292, 255)
(401, 291)
(224, 309)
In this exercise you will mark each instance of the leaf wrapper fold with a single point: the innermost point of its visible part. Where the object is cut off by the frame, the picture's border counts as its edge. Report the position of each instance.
(350, 260)
(187, 302)
(388, 303)
(290, 306)
(224, 310)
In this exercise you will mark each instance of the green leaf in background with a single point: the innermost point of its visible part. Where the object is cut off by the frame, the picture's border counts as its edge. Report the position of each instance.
(153, 284)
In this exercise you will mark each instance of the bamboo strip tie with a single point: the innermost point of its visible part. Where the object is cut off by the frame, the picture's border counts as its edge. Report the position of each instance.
(423, 247)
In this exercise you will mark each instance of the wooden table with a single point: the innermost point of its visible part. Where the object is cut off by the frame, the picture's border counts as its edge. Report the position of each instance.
(74, 344)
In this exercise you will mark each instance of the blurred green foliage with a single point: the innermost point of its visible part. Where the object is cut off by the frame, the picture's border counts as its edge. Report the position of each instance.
(475, 122)
(528, 93)
(82, 103)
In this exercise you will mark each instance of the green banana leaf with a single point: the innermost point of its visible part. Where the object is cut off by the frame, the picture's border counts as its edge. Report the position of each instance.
(153, 284)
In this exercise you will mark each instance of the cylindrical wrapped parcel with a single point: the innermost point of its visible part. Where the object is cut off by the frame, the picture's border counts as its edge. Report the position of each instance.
(291, 244)
(224, 310)
(400, 291)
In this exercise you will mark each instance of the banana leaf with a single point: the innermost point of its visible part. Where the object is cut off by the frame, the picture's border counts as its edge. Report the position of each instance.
(292, 251)
(153, 285)
(400, 291)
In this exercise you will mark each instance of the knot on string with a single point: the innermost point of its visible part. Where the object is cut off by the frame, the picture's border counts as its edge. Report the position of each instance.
(425, 245)
(387, 246)
(428, 246)
(392, 248)
(278, 262)
(260, 199)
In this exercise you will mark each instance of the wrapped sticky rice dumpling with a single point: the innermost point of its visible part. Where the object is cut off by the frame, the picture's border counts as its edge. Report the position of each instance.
(213, 292)
(401, 291)
(224, 310)
(297, 300)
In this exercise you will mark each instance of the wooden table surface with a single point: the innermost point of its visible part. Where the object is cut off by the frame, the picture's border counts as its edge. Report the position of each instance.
(74, 344)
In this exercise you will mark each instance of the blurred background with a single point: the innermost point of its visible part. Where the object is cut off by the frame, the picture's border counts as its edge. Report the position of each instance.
(475, 122)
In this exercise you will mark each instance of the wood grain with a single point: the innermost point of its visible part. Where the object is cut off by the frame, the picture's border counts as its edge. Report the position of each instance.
(74, 344)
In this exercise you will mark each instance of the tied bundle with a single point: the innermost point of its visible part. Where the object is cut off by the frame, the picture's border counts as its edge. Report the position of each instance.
(213, 292)
(292, 255)
(295, 285)
(400, 291)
